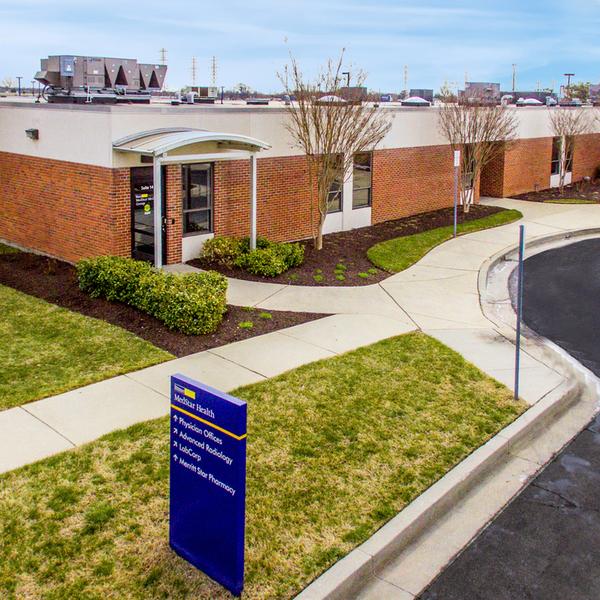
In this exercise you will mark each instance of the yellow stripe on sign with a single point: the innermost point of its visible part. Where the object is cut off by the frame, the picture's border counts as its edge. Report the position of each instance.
(189, 414)
(189, 393)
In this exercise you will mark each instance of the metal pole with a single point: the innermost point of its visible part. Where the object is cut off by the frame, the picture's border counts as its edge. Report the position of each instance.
(157, 172)
(19, 83)
(253, 201)
(519, 308)
(456, 166)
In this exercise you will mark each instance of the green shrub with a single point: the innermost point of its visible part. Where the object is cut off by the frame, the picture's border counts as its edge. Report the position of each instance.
(292, 254)
(193, 303)
(266, 262)
(222, 250)
(265, 315)
(261, 243)
(246, 325)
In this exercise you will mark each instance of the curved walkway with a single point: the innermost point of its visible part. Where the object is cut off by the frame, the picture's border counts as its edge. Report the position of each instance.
(438, 295)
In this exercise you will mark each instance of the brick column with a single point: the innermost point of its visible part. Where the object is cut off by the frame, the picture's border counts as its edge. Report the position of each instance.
(121, 212)
(173, 213)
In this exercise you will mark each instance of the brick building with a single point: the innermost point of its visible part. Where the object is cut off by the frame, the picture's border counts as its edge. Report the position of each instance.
(79, 181)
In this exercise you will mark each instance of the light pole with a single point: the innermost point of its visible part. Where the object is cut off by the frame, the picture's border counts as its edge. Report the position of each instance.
(19, 84)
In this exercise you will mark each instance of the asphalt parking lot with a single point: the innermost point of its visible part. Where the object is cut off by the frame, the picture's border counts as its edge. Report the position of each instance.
(546, 544)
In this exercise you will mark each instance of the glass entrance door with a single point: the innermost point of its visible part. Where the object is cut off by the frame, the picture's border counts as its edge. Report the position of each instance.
(142, 214)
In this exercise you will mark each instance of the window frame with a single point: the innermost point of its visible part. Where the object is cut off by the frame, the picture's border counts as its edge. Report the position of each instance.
(555, 163)
(359, 189)
(186, 170)
(336, 193)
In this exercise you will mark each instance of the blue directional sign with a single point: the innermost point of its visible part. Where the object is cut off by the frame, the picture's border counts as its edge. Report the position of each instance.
(208, 480)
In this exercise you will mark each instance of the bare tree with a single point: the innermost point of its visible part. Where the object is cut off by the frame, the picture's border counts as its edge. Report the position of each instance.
(480, 130)
(8, 83)
(329, 129)
(567, 124)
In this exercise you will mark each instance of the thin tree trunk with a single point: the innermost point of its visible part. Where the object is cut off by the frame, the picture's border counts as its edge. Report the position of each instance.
(319, 238)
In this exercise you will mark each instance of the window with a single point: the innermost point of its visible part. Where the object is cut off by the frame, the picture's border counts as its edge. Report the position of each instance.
(569, 158)
(197, 198)
(556, 149)
(336, 193)
(361, 188)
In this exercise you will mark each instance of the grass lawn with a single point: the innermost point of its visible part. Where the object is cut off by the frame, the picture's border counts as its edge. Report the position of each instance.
(46, 350)
(335, 449)
(570, 201)
(400, 253)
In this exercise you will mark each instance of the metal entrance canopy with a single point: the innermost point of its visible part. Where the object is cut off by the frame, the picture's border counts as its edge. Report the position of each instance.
(158, 143)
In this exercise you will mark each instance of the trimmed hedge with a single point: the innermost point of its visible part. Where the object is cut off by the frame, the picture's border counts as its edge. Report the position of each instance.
(268, 260)
(193, 303)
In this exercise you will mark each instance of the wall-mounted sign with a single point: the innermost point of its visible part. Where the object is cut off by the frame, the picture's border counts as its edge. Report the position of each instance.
(208, 480)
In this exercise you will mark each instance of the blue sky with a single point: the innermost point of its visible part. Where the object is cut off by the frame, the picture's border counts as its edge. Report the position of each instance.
(251, 38)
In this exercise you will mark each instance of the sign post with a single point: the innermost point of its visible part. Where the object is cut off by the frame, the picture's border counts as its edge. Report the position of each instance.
(208, 480)
(519, 308)
(456, 167)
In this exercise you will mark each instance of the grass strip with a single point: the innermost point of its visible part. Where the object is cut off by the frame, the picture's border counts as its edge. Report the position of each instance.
(399, 253)
(4, 249)
(570, 201)
(47, 350)
(335, 449)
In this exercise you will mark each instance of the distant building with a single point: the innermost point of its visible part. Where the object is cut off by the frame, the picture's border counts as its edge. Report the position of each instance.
(536, 95)
(481, 90)
(424, 93)
(353, 93)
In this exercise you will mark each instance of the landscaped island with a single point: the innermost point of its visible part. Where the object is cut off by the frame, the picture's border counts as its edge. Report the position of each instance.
(365, 255)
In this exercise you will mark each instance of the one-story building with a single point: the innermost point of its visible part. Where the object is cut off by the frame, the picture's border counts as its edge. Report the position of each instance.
(78, 181)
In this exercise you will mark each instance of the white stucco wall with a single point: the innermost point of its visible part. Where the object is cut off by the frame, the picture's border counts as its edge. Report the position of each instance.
(85, 133)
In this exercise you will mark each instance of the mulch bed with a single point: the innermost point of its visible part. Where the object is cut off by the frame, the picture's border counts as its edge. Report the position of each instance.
(585, 190)
(56, 282)
(350, 248)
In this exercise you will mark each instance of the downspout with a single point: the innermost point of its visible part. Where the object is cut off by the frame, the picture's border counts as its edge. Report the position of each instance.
(253, 209)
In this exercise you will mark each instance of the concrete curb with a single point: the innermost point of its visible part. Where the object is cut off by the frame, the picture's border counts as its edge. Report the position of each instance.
(348, 575)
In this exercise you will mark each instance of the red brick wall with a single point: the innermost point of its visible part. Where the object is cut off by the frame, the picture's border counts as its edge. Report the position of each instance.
(586, 156)
(173, 213)
(407, 181)
(491, 181)
(527, 166)
(65, 209)
(283, 198)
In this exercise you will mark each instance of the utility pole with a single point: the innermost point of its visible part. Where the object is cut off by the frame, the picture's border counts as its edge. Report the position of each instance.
(193, 71)
(568, 76)
(406, 81)
(19, 84)
(213, 71)
(514, 77)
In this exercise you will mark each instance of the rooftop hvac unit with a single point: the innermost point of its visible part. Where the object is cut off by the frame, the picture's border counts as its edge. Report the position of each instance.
(92, 79)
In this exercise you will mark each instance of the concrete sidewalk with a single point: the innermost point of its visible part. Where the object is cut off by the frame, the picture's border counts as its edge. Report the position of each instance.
(438, 295)
(39, 429)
